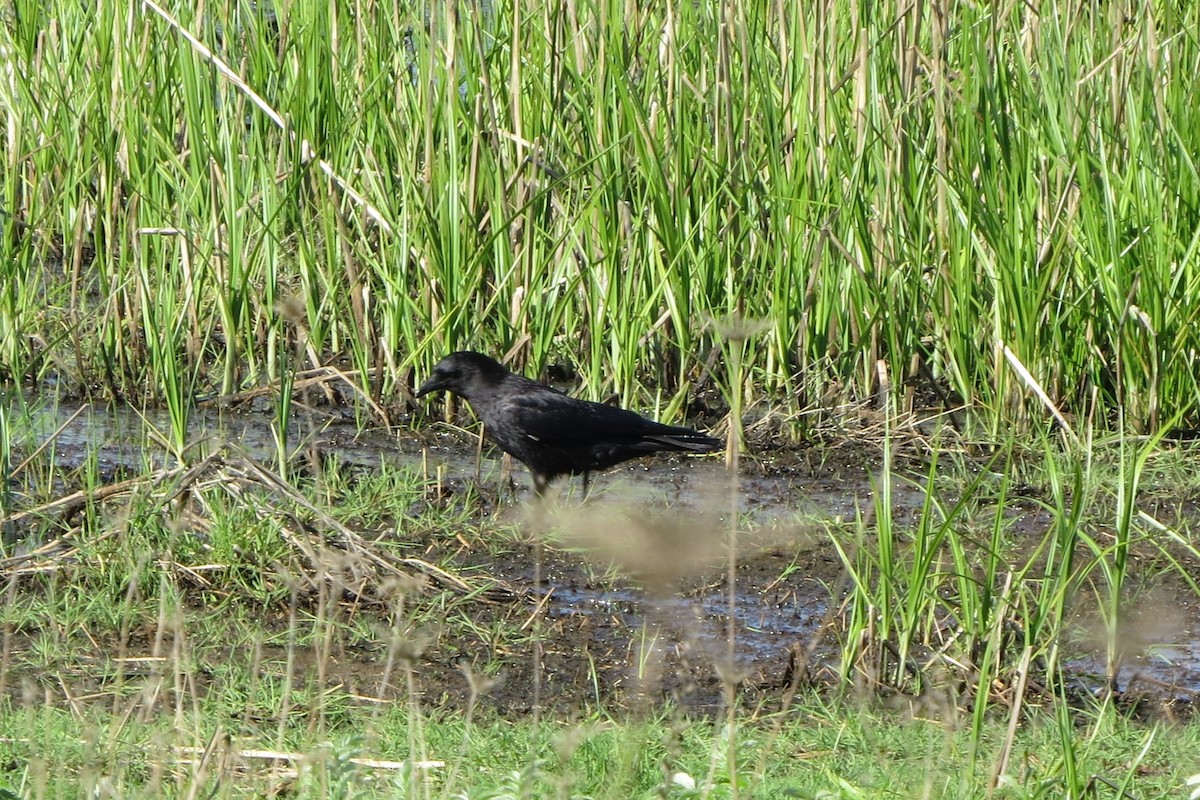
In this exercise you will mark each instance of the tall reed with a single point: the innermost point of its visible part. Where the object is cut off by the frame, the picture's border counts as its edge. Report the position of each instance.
(588, 183)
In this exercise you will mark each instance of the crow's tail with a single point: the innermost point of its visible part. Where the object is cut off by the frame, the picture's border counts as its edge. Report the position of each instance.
(684, 439)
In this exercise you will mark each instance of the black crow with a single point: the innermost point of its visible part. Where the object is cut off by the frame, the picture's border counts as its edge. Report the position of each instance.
(550, 432)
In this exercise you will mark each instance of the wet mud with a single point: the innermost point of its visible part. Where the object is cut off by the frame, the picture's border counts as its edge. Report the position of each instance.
(622, 599)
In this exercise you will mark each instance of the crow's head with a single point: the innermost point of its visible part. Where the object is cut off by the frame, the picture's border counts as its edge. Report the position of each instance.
(465, 373)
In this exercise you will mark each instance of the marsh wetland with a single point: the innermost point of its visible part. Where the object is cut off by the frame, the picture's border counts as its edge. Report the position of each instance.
(601, 622)
(408, 567)
(930, 272)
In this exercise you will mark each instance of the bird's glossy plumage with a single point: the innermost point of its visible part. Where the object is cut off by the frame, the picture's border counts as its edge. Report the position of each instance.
(550, 432)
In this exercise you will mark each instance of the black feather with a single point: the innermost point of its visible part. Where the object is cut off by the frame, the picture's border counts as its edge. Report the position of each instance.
(550, 432)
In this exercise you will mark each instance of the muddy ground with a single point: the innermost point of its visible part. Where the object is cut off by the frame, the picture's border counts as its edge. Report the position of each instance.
(621, 601)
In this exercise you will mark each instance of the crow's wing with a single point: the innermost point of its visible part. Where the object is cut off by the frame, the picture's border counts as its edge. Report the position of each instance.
(555, 434)
(551, 417)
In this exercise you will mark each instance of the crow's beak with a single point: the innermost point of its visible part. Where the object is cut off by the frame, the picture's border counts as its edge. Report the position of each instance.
(431, 385)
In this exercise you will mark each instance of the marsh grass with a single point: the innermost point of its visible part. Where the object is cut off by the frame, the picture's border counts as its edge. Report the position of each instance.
(995, 204)
(920, 200)
(230, 600)
(195, 632)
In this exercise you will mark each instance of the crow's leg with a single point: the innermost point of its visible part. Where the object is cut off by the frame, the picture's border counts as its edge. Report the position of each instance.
(587, 484)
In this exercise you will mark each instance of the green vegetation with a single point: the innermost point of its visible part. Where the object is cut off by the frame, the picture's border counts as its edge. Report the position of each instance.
(814, 754)
(986, 198)
(989, 210)
(326, 634)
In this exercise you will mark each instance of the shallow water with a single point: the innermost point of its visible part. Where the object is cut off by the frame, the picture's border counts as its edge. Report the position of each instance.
(782, 497)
